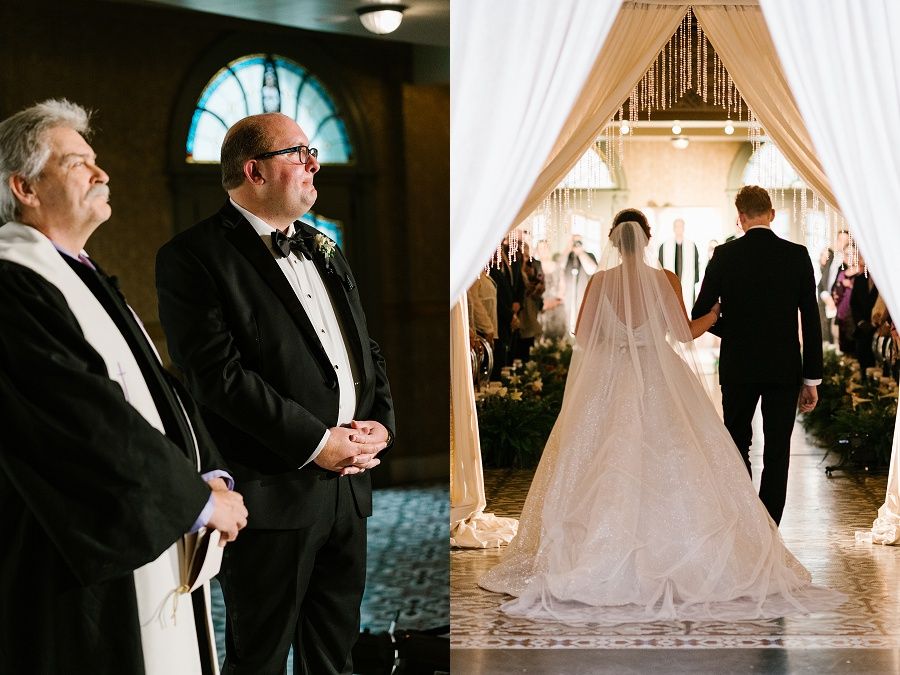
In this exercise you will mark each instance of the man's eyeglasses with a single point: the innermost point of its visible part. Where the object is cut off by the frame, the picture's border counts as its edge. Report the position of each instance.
(303, 153)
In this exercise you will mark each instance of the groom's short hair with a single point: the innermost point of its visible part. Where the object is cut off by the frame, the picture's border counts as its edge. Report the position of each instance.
(752, 200)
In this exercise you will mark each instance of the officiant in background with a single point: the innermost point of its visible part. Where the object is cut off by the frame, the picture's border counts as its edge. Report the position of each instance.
(580, 265)
(680, 255)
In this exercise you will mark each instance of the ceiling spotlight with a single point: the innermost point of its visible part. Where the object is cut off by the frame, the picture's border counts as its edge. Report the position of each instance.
(680, 142)
(381, 18)
(676, 127)
(729, 128)
(624, 128)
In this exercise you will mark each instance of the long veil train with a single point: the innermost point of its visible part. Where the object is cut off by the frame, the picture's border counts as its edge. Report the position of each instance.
(641, 508)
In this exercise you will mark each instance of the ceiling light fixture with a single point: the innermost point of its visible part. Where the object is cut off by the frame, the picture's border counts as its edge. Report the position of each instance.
(382, 18)
(680, 142)
(676, 127)
(624, 128)
(729, 128)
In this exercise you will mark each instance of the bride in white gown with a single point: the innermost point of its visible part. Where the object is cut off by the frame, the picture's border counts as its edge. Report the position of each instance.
(641, 508)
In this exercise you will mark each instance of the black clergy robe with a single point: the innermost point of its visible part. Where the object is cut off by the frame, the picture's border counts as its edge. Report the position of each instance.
(89, 490)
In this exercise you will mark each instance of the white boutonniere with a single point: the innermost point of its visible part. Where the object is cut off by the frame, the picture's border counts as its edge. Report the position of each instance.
(324, 245)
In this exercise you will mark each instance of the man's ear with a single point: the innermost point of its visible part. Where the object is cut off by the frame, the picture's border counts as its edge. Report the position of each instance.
(251, 172)
(23, 190)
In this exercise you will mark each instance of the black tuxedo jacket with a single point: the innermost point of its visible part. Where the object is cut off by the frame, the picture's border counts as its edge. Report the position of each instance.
(762, 281)
(510, 289)
(252, 360)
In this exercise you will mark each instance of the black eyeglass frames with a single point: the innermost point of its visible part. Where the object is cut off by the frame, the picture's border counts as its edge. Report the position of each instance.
(303, 153)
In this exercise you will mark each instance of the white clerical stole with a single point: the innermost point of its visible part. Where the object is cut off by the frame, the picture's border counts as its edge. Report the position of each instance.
(165, 610)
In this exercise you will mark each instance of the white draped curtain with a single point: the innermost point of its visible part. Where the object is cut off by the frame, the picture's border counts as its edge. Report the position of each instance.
(741, 39)
(842, 60)
(639, 32)
(470, 526)
(516, 69)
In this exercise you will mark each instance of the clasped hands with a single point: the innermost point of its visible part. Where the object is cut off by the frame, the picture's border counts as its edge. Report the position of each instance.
(348, 450)
(351, 449)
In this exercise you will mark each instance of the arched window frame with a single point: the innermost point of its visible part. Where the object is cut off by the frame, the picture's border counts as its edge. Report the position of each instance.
(196, 186)
(266, 82)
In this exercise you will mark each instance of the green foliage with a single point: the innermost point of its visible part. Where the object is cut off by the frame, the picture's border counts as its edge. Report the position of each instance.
(853, 417)
(833, 396)
(515, 416)
(513, 433)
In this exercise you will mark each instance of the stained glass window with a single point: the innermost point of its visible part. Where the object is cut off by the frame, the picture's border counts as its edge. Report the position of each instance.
(261, 83)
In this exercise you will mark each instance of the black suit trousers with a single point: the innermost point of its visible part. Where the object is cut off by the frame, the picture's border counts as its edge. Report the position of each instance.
(300, 587)
(779, 408)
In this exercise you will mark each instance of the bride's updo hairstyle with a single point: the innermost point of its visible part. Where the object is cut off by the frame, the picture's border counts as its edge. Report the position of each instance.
(623, 238)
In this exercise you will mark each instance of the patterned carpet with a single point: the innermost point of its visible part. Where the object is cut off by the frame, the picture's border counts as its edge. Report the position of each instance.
(821, 517)
(407, 569)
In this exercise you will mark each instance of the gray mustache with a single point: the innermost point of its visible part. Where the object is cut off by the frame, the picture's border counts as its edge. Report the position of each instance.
(99, 191)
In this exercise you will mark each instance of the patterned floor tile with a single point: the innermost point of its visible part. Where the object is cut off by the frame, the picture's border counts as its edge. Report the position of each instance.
(821, 516)
(406, 565)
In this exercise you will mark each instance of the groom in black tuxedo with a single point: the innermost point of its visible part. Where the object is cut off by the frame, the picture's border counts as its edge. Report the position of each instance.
(263, 316)
(760, 353)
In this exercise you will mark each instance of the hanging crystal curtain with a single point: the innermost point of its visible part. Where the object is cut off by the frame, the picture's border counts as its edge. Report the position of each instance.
(687, 63)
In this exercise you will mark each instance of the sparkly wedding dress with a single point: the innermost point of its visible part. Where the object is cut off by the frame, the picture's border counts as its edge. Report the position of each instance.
(641, 508)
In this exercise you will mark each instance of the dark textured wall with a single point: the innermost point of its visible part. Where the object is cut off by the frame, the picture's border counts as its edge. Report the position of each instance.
(135, 66)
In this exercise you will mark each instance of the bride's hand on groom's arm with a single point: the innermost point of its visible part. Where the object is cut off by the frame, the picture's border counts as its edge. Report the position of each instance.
(809, 396)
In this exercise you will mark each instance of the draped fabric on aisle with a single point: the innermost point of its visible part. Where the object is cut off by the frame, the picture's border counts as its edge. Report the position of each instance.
(741, 39)
(470, 526)
(842, 59)
(638, 33)
(516, 69)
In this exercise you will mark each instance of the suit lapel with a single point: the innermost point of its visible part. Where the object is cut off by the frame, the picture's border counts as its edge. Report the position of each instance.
(339, 300)
(244, 238)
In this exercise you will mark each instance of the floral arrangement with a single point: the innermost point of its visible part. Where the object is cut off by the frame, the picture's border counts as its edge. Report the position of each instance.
(855, 415)
(324, 245)
(516, 413)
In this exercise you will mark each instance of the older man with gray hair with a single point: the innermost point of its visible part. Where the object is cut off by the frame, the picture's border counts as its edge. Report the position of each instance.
(108, 479)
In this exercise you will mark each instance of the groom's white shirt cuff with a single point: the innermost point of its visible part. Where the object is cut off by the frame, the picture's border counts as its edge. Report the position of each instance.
(318, 449)
(811, 383)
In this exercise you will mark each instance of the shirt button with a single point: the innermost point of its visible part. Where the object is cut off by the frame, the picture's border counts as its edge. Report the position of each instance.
(335, 366)
(308, 295)
(323, 332)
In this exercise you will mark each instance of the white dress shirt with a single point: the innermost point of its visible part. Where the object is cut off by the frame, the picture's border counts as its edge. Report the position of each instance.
(305, 280)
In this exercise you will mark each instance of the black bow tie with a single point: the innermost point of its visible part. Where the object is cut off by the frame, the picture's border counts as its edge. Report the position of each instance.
(299, 243)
